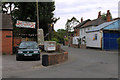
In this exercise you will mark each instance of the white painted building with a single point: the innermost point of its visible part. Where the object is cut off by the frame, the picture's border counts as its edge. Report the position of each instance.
(89, 26)
(104, 36)
(94, 39)
(75, 40)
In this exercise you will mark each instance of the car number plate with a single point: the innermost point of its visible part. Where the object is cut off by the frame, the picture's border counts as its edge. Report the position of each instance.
(27, 54)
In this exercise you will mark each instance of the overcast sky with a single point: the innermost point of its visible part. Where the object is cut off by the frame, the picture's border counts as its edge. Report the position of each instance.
(88, 9)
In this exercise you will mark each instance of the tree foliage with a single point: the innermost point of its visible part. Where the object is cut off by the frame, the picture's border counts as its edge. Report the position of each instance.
(104, 16)
(26, 11)
(59, 35)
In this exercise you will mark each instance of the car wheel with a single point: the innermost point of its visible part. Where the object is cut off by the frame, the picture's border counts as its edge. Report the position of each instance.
(17, 58)
(38, 58)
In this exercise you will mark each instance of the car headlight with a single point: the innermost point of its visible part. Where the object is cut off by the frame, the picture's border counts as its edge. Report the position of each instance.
(36, 51)
(20, 52)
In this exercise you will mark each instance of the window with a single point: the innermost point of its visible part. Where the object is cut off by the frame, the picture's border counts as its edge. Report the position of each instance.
(8, 36)
(95, 36)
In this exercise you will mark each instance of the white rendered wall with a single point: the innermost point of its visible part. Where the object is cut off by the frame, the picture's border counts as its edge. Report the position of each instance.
(93, 43)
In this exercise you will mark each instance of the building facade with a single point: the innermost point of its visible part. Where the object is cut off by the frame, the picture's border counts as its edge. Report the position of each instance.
(7, 34)
(104, 36)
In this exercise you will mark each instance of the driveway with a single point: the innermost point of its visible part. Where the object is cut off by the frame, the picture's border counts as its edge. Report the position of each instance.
(82, 63)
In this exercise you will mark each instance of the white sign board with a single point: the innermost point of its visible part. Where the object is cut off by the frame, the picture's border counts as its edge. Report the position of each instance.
(25, 24)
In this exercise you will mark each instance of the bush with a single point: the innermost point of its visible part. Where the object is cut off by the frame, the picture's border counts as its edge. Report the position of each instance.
(119, 42)
(55, 39)
(66, 39)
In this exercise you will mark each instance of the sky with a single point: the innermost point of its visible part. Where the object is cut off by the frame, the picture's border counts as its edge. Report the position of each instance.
(88, 9)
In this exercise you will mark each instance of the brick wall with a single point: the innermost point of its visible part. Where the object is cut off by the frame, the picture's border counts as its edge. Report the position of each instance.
(7, 42)
(82, 46)
(74, 45)
(54, 59)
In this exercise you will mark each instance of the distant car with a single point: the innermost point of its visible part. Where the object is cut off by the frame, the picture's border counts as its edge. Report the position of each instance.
(28, 49)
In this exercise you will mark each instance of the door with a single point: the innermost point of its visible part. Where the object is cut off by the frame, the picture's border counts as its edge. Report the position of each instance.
(110, 40)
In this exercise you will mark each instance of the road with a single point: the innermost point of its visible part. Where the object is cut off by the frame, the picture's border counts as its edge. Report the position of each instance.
(82, 63)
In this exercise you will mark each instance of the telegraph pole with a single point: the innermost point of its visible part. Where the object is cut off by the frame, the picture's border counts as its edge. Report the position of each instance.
(37, 15)
(37, 18)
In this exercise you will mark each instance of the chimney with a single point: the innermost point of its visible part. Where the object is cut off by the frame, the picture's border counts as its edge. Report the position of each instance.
(99, 14)
(81, 19)
(108, 16)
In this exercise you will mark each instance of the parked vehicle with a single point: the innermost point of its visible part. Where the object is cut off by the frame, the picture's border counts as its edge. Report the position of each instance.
(28, 49)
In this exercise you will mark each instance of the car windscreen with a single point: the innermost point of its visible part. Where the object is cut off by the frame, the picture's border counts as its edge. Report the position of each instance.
(28, 45)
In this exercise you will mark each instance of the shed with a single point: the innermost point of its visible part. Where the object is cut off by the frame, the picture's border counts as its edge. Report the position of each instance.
(7, 34)
(104, 36)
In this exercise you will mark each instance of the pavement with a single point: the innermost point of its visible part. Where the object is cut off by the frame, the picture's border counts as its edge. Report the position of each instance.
(82, 63)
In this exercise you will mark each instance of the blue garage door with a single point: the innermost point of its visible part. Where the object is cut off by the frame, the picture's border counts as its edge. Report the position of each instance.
(110, 41)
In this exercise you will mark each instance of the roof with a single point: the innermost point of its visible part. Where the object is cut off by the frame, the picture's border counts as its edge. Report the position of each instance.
(82, 23)
(6, 21)
(94, 22)
(102, 26)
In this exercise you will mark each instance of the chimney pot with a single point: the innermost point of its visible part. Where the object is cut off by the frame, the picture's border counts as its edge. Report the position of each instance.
(99, 14)
(81, 19)
(108, 16)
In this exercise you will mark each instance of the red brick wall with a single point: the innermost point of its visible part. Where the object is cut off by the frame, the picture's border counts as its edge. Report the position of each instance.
(54, 58)
(76, 32)
(7, 42)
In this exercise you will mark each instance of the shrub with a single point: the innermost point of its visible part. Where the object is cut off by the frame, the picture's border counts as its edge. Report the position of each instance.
(66, 39)
(119, 42)
(55, 39)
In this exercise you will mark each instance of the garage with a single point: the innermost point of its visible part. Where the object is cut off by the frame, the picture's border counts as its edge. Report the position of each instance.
(110, 39)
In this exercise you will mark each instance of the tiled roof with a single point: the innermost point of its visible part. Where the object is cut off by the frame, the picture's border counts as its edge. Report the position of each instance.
(102, 26)
(82, 23)
(94, 22)
(6, 21)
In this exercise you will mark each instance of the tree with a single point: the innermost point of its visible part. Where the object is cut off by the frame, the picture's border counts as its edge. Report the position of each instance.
(26, 11)
(61, 35)
(104, 16)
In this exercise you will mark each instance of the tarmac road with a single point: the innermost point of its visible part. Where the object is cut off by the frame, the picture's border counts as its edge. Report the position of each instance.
(82, 63)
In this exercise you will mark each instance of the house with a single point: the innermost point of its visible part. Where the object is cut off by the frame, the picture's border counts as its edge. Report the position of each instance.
(77, 33)
(80, 30)
(104, 36)
(89, 26)
(6, 30)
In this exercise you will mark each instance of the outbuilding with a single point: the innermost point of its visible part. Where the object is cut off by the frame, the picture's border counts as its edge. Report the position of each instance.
(104, 36)
(7, 34)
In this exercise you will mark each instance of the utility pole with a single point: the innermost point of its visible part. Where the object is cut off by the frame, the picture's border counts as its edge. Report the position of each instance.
(37, 15)
(37, 18)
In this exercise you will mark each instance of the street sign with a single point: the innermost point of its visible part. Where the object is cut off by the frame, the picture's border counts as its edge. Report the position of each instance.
(25, 24)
